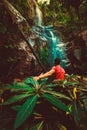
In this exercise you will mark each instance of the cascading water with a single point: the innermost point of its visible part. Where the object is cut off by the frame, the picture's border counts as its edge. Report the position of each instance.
(56, 47)
(47, 34)
(38, 16)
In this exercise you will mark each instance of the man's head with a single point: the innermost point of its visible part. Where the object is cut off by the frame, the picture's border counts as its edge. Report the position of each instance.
(57, 61)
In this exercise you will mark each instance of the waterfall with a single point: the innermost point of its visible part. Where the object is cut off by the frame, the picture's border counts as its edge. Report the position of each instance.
(38, 16)
(53, 40)
(56, 47)
(47, 34)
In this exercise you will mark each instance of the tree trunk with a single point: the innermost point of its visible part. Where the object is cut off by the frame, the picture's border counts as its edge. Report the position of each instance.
(21, 22)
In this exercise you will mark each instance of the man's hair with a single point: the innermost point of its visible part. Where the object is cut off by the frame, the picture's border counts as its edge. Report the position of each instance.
(57, 61)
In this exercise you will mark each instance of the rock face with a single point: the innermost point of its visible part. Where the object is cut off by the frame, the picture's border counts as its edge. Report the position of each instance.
(16, 59)
(77, 53)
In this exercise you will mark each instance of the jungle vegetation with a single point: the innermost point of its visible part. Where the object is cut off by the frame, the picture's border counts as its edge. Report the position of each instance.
(26, 104)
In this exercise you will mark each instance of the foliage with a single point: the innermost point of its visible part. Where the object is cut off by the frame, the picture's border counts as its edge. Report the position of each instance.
(21, 6)
(68, 15)
(29, 92)
(77, 90)
(39, 99)
(58, 13)
(29, 96)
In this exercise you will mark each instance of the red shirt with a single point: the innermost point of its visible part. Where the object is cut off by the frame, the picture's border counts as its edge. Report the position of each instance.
(59, 72)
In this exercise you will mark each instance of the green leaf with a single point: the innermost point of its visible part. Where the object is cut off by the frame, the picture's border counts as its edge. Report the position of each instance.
(70, 93)
(15, 99)
(52, 85)
(83, 89)
(16, 108)
(56, 102)
(45, 85)
(59, 95)
(37, 114)
(77, 111)
(25, 111)
(31, 82)
(20, 87)
(39, 126)
(85, 103)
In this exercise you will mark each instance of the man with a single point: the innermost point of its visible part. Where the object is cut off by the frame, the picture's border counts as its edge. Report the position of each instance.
(57, 70)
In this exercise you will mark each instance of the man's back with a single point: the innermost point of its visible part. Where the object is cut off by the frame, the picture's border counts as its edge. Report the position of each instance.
(59, 72)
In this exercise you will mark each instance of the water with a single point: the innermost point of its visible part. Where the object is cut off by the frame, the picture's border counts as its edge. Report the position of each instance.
(50, 35)
(38, 16)
(56, 48)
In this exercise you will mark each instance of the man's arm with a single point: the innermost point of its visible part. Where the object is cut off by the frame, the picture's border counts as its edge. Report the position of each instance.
(47, 74)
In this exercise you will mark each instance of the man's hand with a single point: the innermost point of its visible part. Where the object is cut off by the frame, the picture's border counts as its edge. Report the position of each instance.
(36, 78)
(18, 80)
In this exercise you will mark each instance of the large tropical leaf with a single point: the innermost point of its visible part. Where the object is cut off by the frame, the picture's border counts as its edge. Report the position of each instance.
(56, 94)
(29, 90)
(20, 87)
(31, 82)
(15, 99)
(45, 86)
(25, 111)
(56, 102)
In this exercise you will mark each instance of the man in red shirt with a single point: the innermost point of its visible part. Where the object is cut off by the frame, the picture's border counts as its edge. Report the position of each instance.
(57, 70)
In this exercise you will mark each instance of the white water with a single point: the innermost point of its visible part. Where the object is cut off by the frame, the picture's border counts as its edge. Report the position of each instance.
(47, 33)
(38, 16)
